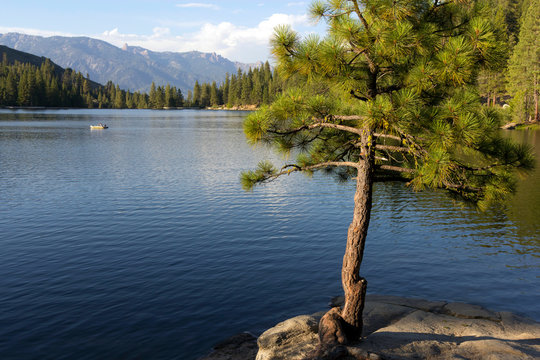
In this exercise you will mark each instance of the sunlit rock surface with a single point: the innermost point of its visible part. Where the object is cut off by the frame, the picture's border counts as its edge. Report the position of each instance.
(404, 328)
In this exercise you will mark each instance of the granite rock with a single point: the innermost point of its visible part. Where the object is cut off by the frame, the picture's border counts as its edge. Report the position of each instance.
(405, 328)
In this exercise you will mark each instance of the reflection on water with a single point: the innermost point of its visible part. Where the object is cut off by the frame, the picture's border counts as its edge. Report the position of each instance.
(138, 242)
(524, 209)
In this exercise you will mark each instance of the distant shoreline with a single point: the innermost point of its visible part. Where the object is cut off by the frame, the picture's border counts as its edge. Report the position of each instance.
(233, 108)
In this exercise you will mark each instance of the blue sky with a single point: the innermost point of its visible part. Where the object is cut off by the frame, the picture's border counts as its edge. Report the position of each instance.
(238, 29)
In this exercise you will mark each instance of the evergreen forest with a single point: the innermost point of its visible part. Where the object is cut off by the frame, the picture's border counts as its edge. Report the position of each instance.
(258, 86)
(514, 79)
(47, 85)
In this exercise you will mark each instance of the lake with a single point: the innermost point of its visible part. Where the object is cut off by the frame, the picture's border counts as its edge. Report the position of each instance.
(137, 242)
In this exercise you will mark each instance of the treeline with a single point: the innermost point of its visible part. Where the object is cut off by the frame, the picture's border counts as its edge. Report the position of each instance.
(255, 87)
(24, 84)
(516, 80)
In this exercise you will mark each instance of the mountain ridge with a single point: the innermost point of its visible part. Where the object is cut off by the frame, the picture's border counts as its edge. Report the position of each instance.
(131, 67)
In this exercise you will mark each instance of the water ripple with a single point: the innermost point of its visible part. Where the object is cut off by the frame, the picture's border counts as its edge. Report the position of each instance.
(139, 242)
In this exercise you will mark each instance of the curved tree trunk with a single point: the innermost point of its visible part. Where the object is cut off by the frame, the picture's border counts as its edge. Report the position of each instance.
(353, 284)
(340, 326)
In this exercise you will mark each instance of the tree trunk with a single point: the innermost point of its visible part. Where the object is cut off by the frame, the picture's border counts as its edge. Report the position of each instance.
(353, 284)
(536, 115)
(341, 326)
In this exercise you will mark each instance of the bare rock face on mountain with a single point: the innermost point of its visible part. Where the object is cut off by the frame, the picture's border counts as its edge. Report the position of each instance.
(133, 68)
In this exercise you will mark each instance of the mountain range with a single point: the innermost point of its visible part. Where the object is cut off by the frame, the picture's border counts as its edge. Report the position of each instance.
(131, 67)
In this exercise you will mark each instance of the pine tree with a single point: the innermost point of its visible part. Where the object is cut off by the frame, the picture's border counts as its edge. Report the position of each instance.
(196, 94)
(231, 96)
(179, 98)
(119, 98)
(214, 97)
(204, 100)
(169, 97)
(25, 88)
(11, 88)
(160, 97)
(491, 81)
(524, 68)
(153, 96)
(388, 94)
(225, 89)
(245, 95)
(257, 90)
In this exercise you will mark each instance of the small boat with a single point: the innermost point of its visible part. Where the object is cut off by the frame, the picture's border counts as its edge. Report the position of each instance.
(98, 127)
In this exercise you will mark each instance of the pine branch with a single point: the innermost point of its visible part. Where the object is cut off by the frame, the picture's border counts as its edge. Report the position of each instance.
(466, 22)
(360, 15)
(290, 168)
(352, 92)
(461, 187)
(400, 149)
(387, 136)
(397, 169)
(322, 124)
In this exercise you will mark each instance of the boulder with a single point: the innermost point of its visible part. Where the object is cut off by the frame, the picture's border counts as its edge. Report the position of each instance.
(405, 328)
(291, 339)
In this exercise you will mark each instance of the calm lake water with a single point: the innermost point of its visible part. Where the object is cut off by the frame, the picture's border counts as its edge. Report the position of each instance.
(137, 242)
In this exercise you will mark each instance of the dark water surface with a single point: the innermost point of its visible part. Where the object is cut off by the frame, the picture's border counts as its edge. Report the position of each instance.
(137, 242)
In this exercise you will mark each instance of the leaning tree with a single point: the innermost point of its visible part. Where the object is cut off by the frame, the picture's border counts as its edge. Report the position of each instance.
(388, 94)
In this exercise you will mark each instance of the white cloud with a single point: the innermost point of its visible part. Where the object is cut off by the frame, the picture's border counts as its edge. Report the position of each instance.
(235, 42)
(240, 43)
(198, 5)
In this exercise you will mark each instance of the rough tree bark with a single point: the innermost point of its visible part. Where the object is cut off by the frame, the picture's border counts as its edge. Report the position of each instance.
(341, 326)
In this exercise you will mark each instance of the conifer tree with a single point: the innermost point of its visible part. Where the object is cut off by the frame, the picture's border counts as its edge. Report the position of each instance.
(153, 95)
(160, 97)
(214, 97)
(179, 98)
(245, 95)
(204, 99)
(169, 98)
(388, 94)
(196, 94)
(119, 98)
(524, 68)
(225, 89)
(231, 96)
(11, 88)
(491, 80)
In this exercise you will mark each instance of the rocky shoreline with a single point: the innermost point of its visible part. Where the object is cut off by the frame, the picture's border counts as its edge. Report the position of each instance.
(399, 328)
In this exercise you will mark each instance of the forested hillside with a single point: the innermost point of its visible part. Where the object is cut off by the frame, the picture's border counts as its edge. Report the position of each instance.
(28, 80)
(515, 80)
(131, 67)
